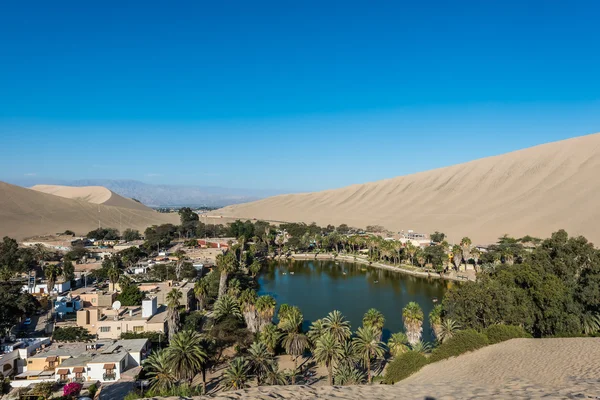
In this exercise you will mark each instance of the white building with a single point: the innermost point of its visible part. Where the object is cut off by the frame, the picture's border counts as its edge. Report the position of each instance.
(66, 305)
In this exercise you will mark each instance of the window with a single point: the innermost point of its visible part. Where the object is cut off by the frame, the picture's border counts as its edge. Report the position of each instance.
(138, 328)
(105, 329)
(93, 300)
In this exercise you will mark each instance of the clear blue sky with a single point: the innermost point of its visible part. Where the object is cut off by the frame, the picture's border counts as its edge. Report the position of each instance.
(288, 95)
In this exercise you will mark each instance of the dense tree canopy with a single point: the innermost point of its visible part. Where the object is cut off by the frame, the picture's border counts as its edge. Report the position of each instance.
(15, 305)
(104, 234)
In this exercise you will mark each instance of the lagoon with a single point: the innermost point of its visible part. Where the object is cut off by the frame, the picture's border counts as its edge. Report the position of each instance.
(321, 286)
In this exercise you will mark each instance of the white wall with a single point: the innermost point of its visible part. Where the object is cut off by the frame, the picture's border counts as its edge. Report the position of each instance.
(96, 371)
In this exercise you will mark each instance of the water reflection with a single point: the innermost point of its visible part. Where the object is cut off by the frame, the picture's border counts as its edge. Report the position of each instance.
(319, 287)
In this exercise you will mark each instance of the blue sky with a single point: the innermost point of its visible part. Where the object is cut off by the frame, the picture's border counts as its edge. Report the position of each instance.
(290, 96)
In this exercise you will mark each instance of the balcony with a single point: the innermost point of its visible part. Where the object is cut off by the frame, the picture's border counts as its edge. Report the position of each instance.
(80, 379)
(109, 376)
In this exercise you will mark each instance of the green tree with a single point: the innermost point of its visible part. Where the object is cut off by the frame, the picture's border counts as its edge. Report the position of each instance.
(68, 271)
(129, 235)
(435, 320)
(186, 355)
(368, 347)
(265, 308)
(173, 301)
(328, 351)
(437, 237)
(52, 272)
(398, 344)
(236, 375)
(412, 316)
(336, 325)
(348, 375)
(227, 306)
(374, 319)
(260, 361)
(270, 336)
(201, 291)
(160, 371)
(131, 295)
(294, 341)
(447, 329)
(226, 263)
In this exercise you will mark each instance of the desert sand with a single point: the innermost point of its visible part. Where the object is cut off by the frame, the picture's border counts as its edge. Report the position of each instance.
(92, 194)
(533, 191)
(516, 369)
(27, 212)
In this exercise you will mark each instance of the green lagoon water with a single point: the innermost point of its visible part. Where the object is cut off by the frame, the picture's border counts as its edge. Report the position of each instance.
(318, 287)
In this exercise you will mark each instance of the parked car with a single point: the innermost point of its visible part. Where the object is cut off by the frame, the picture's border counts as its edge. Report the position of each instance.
(27, 321)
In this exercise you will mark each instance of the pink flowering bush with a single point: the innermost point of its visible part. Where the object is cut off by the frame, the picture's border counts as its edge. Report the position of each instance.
(72, 389)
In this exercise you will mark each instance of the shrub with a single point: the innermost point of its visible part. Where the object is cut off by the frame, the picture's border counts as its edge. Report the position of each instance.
(404, 366)
(72, 389)
(71, 334)
(500, 333)
(461, 342)
(92, 390)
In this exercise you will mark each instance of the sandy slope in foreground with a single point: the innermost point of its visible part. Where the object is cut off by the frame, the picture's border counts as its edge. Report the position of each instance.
(91, 194)
(532, 191)
(26, 212)
(517, 369)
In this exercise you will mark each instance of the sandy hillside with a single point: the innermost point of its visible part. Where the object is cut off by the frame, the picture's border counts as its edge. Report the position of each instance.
(532, 191)
(26, 212)
(517, 369)
(91, 194)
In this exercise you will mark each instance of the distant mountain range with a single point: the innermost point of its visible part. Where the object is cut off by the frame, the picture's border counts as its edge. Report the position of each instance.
(158, 195)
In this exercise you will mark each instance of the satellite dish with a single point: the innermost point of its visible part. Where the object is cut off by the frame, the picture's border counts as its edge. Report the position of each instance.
(116, 305)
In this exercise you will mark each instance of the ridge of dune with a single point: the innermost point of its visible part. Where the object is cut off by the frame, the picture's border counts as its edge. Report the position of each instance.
(26, 212)
(91, 194)
(534, 191)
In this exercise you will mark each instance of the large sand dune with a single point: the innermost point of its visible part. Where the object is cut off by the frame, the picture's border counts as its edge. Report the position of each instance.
(91, 194)
(532, 191)
(26, 212)
(517, 369)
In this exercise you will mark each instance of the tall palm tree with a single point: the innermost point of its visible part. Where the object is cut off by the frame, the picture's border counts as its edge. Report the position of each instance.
(41, 253)
(374, 319)
(412, 315)
(265, 308)
(335, 324)
(457, 256)
(186, 355)
(421, 347)
(160, 371)
(114, 274)
(255, 268)
(260, 361)
(368, 347)
(465, 245)
(398, 344)
(226, 263)
(270, 336)
(248, 303)
(475, 255)
(348, 356)
(52, 272)
(435, 320)
(327, 352)
(201, 292)
(294, 341)
(448, 329)
(236, 374)
(173, 298)
(225, 306)
(287, 313)
(181, 257)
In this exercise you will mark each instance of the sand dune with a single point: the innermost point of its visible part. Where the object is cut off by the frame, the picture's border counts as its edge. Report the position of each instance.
(26, 212)
(92, 194)
(532, 191)
(516, 369)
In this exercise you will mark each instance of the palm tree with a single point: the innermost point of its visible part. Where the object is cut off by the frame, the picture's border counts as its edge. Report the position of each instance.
(275, 377)
(435, 320)
(234, 287)
(448, 329)
(413, 322)
(315, 331)
(270, 336)
(173, 298)
(327, 352)
(294, 341)
(421, 347)
(255, 268)
(335, 324)
(248, 302)
(226, 263)
(368, 347)
(465, 245)
(260, 360)
(374, 319)
(201, 292)
(236, 374)
(159, 370)
(287, 312)
(348, 375)
(590, 323)
(52, 272)
(457, 256)
(226, 305)
(181, 257)
(265, 308)
(186, 355)
(475, 255)
(398, 344)
(348, 356)
(40, 253)
(280, 241)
